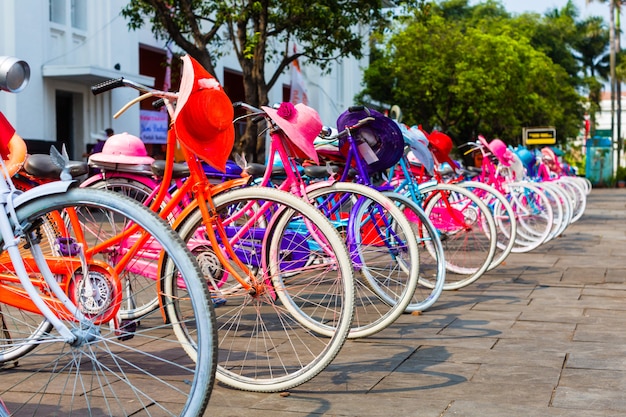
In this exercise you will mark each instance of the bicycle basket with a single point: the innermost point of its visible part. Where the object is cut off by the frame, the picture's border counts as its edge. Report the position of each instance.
(203, 120)
(380, 141)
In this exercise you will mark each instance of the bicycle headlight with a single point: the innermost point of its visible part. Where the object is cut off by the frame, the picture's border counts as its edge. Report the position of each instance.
(14, 74)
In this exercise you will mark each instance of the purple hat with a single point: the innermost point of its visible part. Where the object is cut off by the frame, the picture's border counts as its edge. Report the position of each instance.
(382, 136)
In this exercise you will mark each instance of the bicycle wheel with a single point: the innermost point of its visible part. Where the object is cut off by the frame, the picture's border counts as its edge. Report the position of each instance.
(141, 297)
(295, 318)
(503, 215)
(122, 368)
(561, 207)
(383, 249)
(432, 266)
(578, 195)
(533, 212)
(466, 229)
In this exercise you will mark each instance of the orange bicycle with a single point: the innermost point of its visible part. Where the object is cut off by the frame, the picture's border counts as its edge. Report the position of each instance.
(281, 268)
(67, 256)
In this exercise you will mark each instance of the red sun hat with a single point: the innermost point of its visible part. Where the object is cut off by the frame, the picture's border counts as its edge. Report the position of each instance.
(441, 145)
(6, 133)
(203, 119)
(301, 124)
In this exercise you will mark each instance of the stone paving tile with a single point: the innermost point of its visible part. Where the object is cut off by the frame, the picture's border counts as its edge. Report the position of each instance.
(489, 356)
(589, 398)
(371, 404)
(542, 335)
(516, 374)
(616, 275)
(477, 408)
(557, 314)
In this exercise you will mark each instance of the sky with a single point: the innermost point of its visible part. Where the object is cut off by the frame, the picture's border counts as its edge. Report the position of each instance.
(540, 6)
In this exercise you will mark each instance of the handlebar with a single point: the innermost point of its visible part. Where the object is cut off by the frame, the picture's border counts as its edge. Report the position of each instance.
(165, 98)
(327, 132)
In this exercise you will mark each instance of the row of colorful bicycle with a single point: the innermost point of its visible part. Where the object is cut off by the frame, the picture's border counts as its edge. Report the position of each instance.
(340, 232)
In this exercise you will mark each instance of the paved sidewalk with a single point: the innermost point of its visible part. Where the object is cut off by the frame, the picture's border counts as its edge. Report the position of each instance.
(542, 335)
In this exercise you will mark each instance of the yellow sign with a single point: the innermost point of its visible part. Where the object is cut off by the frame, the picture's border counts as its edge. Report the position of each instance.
(539, 136)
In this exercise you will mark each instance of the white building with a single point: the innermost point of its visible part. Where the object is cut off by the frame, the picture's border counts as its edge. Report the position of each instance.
(71, 45)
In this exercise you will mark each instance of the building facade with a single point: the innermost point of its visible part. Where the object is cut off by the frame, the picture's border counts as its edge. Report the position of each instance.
(71, 45)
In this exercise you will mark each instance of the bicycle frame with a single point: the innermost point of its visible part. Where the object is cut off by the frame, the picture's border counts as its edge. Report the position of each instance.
(57, 306)
(296, 184)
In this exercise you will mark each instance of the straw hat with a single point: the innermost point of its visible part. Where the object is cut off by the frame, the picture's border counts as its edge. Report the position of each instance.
(301, 125)
(203, 119)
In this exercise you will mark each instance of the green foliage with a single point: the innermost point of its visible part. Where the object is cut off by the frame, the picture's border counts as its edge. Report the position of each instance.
(477, 70)
(258, 32)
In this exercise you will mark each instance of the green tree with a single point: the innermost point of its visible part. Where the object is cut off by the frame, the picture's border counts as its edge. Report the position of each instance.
(258, 32)
(468, 80)
(591, 50)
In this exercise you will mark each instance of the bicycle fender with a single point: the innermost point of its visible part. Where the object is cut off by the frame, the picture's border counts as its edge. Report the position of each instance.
(51, 188)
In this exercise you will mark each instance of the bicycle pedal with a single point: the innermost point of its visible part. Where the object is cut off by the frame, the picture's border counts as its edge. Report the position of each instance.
(127, 330)
(68, 246)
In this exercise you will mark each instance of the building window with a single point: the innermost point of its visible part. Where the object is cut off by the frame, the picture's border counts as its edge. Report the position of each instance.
(75, 11)
(79, 14)
(57, 11)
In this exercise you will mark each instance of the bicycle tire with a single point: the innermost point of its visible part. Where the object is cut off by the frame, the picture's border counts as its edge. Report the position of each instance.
(503, 215)
(295, 322)
(122, 370)
(533, 212)
(561, 207)
(432, 266)
(383, 248)
(138, 188)
(467, 232)
(575, 187)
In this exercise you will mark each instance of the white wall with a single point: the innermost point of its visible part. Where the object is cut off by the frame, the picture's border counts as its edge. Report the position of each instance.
(27, 33)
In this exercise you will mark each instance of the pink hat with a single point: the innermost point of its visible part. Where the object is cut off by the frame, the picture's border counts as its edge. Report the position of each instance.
(203, 119)
(301, 124)
(500, 150)
(123, 148)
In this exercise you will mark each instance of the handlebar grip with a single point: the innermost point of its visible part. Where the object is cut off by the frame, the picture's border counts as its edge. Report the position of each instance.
(107, 85)
(157, 104)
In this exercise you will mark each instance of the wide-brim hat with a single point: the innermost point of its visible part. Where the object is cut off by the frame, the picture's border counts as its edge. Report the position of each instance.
(123, 148)
(301, 124)
(551, 159)
(6, 133)
(203, 119)
(501, 151)
(382, 135)
(527, 157)
(441, 145)
(418, 144)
